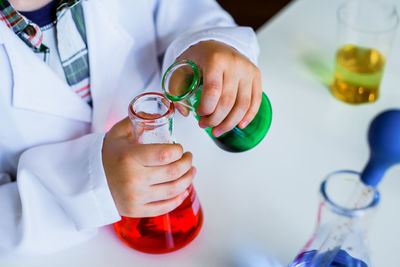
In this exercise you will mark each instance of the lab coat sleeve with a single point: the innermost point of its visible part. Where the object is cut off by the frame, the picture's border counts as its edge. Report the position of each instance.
(59, 199)
(182, 23)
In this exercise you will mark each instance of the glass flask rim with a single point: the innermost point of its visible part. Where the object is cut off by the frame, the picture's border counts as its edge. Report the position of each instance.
(343, 20)
(135, 116)
(348, 212)
(192, 87)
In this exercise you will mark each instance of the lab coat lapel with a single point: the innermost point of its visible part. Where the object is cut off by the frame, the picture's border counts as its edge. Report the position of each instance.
(109, 46)
(36, 87)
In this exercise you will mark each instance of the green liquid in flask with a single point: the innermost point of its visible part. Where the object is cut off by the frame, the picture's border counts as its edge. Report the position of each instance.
(182, 83)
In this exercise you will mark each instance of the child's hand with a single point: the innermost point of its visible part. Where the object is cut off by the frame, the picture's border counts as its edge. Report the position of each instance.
(231, 86)
(145, 180)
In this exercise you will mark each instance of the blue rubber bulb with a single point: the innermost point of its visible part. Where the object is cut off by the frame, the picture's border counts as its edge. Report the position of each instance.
(384, 142)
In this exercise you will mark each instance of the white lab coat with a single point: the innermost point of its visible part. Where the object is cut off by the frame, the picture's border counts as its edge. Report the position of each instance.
(51, 140)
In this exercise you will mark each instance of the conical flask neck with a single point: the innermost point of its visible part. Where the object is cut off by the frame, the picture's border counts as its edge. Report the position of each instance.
(342, 220)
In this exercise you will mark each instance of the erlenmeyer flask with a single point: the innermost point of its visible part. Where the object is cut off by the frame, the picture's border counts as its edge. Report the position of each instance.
(183, 83)
(151, 115)
(343, 216)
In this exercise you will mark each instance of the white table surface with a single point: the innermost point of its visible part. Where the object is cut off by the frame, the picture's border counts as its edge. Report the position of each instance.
(263, 202)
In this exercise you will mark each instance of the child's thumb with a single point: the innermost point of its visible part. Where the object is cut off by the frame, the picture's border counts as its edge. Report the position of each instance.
(122, 128)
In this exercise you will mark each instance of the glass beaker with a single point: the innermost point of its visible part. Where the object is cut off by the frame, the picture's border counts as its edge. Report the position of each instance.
(365, 33)
(343, 216)
(152, 118)
(182, 82)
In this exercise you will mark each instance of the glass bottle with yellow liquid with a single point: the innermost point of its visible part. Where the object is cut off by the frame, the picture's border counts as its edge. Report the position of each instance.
(364, 44)
(358, 73)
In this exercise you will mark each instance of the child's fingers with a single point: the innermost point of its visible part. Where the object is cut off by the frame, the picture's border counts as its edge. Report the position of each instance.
(238, 111)
(156, 154)
(170, 172)
(256, 99)
(162, 207)
(171, 189)
(182, 109)
(212, 89)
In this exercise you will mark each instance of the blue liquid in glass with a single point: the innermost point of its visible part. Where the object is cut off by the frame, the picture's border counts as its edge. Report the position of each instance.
(342, 259)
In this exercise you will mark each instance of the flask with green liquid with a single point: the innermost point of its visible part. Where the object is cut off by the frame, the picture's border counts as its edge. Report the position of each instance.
(182, 82)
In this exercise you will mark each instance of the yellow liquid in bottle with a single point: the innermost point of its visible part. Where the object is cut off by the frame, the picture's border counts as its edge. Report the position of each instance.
(358, 73)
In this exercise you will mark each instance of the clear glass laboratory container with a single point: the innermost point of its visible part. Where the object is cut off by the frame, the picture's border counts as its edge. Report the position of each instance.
(343, 217)
(152, 119)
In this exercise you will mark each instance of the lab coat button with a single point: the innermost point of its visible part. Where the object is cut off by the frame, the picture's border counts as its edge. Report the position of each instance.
(30, 30)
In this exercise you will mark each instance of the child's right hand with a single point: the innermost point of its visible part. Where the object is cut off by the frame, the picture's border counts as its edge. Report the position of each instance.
(145, 180)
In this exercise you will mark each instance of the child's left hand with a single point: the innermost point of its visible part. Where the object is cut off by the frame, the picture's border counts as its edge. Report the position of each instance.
(231, 86)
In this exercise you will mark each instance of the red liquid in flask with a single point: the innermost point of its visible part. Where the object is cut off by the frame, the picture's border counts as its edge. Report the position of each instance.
(164, 233)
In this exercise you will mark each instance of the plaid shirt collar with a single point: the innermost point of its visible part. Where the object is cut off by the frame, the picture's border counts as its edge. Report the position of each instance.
(71, 41)
(28, 31)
